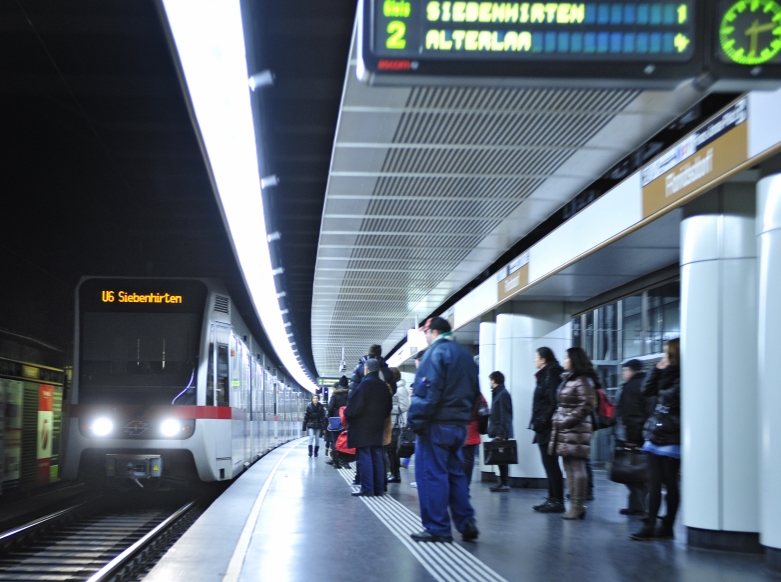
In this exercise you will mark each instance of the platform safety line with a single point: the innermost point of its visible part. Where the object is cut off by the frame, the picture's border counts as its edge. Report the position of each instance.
(447, 560)
(240, 552)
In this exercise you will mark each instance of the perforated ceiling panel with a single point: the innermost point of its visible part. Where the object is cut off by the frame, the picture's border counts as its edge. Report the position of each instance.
(428, 186)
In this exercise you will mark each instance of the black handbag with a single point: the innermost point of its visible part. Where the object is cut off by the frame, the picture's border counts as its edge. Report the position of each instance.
(630, 465)
(406, 446)
(500, 453)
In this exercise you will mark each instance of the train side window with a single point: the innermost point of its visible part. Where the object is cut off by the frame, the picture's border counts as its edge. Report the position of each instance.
(222, 394)
(210, 377)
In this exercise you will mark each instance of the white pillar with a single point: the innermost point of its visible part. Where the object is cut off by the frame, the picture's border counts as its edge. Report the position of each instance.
(517, 338)
(719, 449)
(769, 250)
(487, 359)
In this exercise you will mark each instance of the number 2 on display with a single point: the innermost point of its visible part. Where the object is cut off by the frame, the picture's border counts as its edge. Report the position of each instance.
(396, 30)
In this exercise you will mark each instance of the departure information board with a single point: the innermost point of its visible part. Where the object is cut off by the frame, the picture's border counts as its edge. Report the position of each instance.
(627, 39)
(590, 31)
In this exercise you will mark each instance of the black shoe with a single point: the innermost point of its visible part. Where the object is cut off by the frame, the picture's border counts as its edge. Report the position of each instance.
(355, 482)
(310, 450)
(361, 494)
(394, 480)
(552, 507)
(316, 450)
(631, 511)
(646, 534)
(541, 505)
(499, 488)
(329, 462)
(470, 532)
(380, 494)
(347, 466)
(665, 532)
(425, 536)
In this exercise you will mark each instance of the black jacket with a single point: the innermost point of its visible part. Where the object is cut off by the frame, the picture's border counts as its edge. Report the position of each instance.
(544, 402)
(367, 408)
(337, 400)
(500, 421)
(664, 425)
(314, 417)
(632, 409)
(358, 372)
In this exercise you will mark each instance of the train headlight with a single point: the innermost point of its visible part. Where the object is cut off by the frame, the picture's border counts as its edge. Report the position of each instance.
(170, 427)
(102, 426)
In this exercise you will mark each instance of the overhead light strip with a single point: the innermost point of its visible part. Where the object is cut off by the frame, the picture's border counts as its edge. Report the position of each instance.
(209, 39)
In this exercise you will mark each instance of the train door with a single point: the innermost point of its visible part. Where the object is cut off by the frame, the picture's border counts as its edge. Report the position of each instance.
(246, 403)
(237, 424)
(219, 432)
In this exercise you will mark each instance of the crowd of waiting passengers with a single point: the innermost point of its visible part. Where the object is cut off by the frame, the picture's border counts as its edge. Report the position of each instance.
(367, 417)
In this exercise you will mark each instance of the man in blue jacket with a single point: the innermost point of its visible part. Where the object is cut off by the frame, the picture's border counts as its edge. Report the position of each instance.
(444, 397)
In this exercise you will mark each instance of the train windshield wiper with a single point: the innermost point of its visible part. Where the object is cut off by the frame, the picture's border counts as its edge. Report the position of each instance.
(190, 383)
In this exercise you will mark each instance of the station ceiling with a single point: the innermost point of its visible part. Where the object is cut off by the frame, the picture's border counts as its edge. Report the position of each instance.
(428, 186)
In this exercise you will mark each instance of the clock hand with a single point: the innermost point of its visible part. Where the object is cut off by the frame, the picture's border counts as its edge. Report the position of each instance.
(753, 31)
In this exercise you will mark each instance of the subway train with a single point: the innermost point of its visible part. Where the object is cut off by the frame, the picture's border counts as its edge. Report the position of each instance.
(169, 386)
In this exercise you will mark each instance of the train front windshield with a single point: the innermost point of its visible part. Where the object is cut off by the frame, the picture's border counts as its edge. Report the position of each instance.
(139, 340)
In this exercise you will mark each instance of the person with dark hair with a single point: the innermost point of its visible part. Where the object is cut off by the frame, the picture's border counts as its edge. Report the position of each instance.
(544, 404)
(662, 433)
(367, 408)
(446, 390)
(314, 423)
(374, 353)
(572, 427)
(337, 400)
(631, 414)
(473, 439)
(500, 424)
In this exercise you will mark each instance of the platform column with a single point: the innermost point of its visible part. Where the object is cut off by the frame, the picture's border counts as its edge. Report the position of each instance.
(518, 335)
(769, 250)
(719, 320)
(487, 361)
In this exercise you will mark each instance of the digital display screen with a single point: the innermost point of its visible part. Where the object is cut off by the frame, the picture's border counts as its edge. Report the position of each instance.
(147, 295)
(749, 32)
(599, 32)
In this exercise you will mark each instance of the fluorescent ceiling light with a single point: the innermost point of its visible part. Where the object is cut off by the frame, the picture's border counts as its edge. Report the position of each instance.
(209, 39)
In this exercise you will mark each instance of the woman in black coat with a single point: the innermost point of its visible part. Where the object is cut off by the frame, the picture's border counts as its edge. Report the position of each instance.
(548, 378)
(663, 443)
(315, 422)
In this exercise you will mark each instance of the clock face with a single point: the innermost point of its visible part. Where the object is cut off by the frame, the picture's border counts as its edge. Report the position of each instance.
(750, 32)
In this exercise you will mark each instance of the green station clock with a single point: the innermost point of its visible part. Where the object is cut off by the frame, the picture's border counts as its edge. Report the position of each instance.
(750, 32)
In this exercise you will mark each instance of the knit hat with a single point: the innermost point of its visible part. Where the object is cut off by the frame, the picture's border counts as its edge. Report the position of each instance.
(635, 365)
(343, 381)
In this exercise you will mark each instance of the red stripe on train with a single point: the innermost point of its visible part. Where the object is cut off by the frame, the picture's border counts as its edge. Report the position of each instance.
(184, 412)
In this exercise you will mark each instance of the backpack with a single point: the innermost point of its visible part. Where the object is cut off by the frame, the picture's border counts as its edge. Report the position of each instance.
(605, 411)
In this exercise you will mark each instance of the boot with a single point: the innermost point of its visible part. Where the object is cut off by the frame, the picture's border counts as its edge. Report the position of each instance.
(316, 450)
(577, 509)
(310, 450)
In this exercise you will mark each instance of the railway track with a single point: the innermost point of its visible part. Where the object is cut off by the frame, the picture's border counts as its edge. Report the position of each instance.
(91, 542)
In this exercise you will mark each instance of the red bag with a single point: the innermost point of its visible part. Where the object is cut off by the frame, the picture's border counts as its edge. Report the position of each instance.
(606, 412)
(341, 441)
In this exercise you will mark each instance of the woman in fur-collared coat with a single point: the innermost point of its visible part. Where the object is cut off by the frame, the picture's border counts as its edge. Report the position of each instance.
(573, 426)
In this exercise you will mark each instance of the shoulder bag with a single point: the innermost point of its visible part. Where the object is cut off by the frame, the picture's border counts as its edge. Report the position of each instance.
(630, 465)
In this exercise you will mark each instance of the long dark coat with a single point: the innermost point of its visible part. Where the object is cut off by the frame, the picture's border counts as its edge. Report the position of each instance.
(572, 421)
(544, 402)
(367, 408)
(632, 409)
(664, 426)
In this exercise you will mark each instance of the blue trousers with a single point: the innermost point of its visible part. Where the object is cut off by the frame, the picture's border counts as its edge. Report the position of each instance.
(371, 468)
(439, 472)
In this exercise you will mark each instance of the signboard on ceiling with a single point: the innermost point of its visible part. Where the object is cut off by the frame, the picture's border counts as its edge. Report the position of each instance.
(587, 43)
(627, 43)
(705, 155)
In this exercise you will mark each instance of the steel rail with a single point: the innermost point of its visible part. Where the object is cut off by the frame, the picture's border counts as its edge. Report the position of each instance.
(127, 556)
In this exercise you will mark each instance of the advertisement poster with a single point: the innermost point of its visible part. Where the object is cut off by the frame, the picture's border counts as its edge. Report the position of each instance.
(12, 441)
(45, 429)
